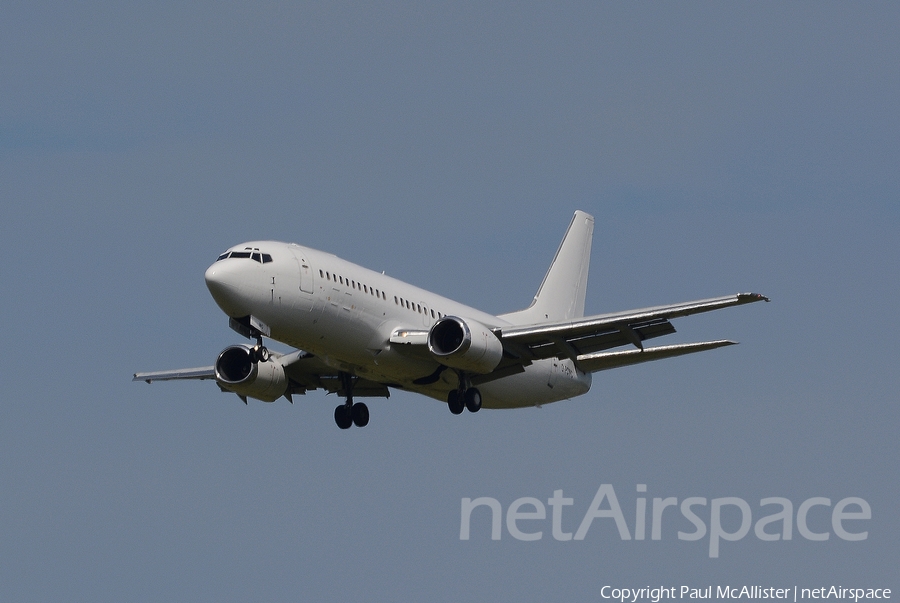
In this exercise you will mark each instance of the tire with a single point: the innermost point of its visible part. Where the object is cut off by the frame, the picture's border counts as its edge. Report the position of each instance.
(360, 414)
(455, 402)
(342, 417)
(473, 399)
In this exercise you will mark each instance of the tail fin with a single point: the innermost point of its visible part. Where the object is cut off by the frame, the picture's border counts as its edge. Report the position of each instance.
(561, 294)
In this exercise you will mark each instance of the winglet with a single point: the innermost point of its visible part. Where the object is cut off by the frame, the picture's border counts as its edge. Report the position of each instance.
(752, 297)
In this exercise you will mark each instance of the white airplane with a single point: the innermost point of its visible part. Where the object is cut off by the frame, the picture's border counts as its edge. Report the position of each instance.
(358, 333)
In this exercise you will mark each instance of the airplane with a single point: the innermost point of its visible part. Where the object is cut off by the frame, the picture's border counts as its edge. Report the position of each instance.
(359, 333)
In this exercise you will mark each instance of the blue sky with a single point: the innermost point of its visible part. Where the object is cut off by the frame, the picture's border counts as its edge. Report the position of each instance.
(721, 148)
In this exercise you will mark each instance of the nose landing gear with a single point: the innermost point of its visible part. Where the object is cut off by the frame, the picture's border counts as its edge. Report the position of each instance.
(260, 353)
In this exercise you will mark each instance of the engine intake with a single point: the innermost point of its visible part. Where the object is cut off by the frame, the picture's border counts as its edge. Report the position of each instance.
(236, 371)
(466, 345)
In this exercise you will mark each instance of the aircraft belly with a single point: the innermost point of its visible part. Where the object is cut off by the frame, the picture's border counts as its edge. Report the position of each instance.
(398, 367)
(536, 386)
(541, 383)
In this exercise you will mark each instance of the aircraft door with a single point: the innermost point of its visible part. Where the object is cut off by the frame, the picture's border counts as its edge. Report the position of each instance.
(306, 276)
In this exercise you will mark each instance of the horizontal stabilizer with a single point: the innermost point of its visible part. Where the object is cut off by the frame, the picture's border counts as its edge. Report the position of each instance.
(601, 361)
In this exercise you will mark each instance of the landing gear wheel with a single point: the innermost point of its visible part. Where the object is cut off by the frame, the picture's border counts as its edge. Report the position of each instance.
(455, 402)
(343, 417)
(360, 414)
(260, 354)
(473, 399)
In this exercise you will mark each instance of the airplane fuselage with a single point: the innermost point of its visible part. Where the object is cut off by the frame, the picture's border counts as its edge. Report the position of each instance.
(347, 315)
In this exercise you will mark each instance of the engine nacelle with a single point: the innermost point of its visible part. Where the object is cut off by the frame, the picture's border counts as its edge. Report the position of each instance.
(466, 345)
(237, 372)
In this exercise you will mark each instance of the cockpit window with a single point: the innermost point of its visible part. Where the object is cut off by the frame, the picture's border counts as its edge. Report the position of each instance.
(253, 254)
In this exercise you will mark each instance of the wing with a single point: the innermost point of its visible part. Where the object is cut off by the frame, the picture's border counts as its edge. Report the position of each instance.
(304, 372)
(203, 372)
(584, 340)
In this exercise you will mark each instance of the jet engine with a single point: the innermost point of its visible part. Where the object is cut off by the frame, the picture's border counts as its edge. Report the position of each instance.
(239, 372)
(466, 345)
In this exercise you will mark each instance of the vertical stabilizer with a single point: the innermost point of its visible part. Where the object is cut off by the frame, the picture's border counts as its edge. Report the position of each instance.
(561, 294)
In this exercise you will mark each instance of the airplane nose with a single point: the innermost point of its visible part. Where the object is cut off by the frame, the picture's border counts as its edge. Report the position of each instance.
(213, 279)
(224, 286)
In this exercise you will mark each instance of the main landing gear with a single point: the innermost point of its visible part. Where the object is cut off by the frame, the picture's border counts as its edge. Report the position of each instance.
(348, 413)
(465, 397)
